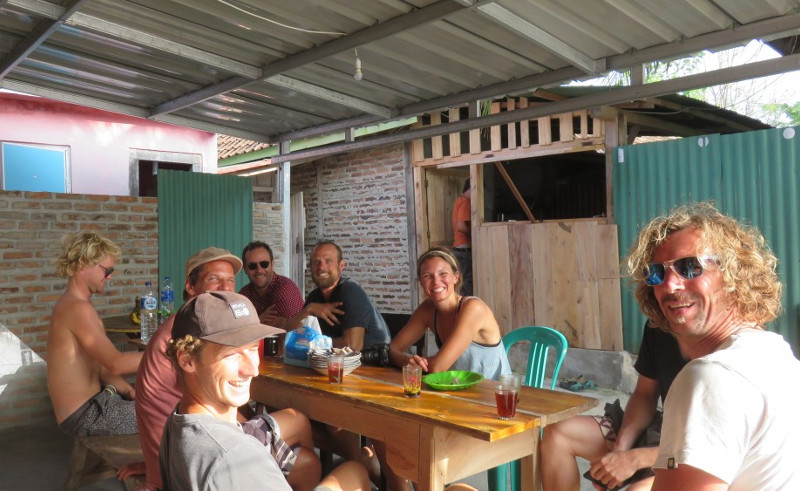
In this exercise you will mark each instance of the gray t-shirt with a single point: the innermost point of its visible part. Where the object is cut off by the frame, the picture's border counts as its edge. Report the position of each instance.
(201, 452)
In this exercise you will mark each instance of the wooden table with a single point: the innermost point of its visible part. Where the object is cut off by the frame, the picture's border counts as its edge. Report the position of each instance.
(435, 439)
(122, 323)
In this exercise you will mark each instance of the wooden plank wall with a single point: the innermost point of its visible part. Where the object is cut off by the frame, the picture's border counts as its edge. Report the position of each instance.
(574, 131)
(563, 275)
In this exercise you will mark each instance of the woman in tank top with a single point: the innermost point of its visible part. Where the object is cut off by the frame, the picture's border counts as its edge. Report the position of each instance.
(466, 331)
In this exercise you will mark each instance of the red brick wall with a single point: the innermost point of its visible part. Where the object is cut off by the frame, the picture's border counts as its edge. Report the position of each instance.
(31, 227)
(359, 201)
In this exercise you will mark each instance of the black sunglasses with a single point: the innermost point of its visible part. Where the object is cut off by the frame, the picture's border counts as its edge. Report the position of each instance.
(108, 271)
(263, 264)
(687, 267)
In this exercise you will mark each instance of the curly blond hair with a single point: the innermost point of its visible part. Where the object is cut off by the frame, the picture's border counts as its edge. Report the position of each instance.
(84, 249)
(747, 264)
(188, 344)
(449, 258)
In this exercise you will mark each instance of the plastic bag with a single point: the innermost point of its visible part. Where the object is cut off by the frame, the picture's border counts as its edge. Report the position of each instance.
(300, 340)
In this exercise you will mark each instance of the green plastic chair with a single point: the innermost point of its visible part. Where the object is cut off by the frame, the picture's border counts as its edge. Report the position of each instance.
(544, 341)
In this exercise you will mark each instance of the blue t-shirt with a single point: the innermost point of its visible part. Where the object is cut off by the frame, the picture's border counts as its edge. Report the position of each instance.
(359, 311)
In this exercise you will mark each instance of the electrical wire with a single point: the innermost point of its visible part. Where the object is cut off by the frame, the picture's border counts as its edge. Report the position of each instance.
(311, 31)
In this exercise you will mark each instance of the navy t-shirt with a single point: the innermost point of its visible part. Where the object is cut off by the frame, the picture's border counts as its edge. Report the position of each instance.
(359, 311)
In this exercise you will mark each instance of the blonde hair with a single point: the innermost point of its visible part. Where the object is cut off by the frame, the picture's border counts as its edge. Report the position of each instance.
(84, 249)
(448, 256)
(189, 344)
(747, 264)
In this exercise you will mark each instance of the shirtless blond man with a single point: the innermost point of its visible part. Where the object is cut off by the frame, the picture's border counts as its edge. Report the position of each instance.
(84, 370)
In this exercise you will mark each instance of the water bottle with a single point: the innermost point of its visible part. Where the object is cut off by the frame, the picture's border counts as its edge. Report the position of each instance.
(149, 309)
(167, 300)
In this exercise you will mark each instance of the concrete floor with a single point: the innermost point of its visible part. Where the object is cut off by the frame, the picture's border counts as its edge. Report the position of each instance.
(37, 458)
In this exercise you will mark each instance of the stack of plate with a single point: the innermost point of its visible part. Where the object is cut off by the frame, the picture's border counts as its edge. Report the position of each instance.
(318, 360)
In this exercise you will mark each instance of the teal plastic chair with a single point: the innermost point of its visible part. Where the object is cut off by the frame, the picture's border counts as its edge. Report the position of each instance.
(545, 344)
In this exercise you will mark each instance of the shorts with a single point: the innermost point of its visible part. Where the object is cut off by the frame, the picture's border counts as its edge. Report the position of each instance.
(611, 422)
(266, 430)
(106, 413)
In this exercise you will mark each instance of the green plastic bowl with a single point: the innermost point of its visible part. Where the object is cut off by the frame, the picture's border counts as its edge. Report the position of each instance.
(452, 380)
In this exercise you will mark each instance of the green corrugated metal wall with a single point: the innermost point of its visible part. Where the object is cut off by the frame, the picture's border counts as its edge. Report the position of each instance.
(752, 176)
(196, 211)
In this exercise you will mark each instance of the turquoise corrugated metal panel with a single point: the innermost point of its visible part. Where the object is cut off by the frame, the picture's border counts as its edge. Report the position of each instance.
(752, 176)
(766, 194)
(197, 211)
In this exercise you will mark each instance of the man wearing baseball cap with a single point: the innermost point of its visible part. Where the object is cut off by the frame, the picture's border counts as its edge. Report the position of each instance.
(214, 348)
(158, 390)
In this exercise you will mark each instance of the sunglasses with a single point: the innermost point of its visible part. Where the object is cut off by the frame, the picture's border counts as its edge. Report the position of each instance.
(253, 266)
(108, 271)
(687, 267)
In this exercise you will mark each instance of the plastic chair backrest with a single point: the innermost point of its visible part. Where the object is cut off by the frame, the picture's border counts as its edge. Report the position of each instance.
(542, 340)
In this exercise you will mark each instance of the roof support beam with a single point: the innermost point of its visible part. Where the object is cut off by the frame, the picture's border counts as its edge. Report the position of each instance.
(329, 95)
(538, 35)
(398, 24)
(36, 38)
(611, 96)
(243, 73)
(780, 26)
(139, 37)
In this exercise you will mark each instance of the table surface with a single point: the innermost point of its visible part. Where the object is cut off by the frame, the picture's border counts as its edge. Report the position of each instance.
(374, 398)
(121, 323)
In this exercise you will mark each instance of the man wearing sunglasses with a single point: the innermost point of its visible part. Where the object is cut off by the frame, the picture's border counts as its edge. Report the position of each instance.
(275, 297)
(730, 416)
(85, 372)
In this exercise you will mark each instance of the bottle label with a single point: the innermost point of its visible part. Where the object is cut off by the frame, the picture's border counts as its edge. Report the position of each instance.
(167, 296)
(149, 303)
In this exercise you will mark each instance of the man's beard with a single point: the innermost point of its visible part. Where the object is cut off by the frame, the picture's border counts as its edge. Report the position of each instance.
(325, 282)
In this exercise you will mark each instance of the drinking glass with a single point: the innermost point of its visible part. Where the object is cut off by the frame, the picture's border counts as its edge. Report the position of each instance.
(335, 369)
(412, 380)
(506, 398)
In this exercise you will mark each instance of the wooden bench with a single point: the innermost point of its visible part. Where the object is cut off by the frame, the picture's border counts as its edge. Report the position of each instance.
(95, 458)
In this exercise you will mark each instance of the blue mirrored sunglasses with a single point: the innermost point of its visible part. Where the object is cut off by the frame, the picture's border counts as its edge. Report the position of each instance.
(689, 267)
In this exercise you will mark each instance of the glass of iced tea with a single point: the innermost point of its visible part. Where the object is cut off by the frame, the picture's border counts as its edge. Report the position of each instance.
(335, 369)
(506, 397)
(412, 380)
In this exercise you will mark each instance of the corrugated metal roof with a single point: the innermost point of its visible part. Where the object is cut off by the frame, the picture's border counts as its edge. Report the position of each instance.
(274, 70)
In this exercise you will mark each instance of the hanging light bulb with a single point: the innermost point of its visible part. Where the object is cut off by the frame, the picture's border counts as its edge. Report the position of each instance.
(358, 75)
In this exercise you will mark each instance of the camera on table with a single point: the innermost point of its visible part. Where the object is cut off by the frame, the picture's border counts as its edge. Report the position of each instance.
(377, 355)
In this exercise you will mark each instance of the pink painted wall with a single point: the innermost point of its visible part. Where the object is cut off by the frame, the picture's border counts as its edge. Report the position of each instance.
(100, 142)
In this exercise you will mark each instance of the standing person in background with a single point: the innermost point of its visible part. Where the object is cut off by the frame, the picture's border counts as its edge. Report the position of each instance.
(462, 237)
(85, 372)
(275, 297)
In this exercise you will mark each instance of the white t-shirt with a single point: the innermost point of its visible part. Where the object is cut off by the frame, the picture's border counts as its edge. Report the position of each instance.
(733, 414)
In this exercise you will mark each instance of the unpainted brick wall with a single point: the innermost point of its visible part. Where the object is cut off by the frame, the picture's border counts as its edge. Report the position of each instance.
(268, 227)
(359, 201)
(31, 227)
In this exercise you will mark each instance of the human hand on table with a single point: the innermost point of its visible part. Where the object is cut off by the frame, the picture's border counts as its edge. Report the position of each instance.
(328, 312)
(418, 361)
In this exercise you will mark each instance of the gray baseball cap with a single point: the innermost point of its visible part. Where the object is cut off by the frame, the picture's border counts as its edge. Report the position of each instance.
(221, 317)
